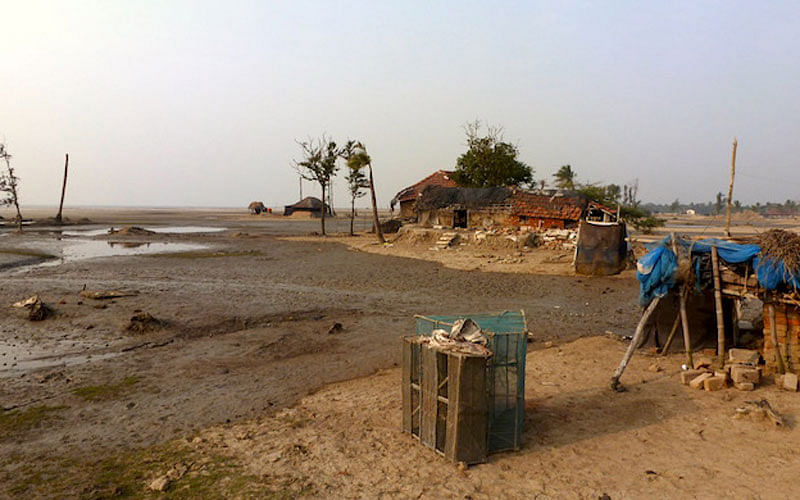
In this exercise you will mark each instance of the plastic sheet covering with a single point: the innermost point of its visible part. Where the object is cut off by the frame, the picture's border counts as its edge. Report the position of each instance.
(656, 270)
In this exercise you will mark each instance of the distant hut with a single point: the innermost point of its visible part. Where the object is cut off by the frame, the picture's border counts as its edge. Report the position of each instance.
(407, 198)
(308, 206)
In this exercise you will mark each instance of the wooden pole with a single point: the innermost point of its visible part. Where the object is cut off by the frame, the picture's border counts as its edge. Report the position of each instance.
(730, 188)
(672, 332)
(684, 293)
(773, 333)
(718, 303)
(63, 188)
(687, 341)
(375, 220)
(637, 337)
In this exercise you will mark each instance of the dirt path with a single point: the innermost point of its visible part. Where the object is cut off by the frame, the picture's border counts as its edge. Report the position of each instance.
(245, 334)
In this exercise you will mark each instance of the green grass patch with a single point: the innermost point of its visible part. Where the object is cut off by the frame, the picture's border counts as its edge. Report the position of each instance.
(106, 392)
(200, 254)
(128, 474)
(17, 421)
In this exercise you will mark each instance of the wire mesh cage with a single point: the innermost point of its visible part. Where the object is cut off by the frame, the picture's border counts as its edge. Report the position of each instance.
(507, 332)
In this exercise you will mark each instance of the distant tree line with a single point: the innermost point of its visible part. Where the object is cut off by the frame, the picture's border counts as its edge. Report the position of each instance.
(716, 207)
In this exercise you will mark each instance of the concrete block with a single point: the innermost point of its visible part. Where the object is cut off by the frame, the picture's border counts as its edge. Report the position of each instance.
(714, 383)
(744, 386)
(697, 382)
(743, 356)
(744, 373)
(689, 375)
(790, 382)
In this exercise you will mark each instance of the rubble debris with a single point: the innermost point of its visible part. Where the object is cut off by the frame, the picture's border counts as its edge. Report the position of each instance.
(335, 328)
(37, 309)
(106, 294)
(760, 409)
(744, 386)
(160, 483)
(143, 322)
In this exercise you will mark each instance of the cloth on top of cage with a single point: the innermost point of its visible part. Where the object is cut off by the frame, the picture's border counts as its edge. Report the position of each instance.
(656, 270)
(465, 336)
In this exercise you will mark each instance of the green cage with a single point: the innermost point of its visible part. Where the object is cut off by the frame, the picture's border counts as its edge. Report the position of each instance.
(508, 337)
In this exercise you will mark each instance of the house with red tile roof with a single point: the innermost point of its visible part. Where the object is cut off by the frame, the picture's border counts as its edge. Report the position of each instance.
(506, 206)
(407, 198)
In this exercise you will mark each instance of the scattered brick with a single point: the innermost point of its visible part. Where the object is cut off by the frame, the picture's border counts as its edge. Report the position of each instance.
(714, 383)
(744, 386)
(697, 382)
(689, 375)
(743, 356)
(743, 373)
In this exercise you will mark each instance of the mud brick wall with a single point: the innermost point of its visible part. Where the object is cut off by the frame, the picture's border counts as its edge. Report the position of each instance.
(787, 325)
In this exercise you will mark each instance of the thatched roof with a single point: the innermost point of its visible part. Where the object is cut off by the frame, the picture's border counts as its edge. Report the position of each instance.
(440, 197)
(307, 203)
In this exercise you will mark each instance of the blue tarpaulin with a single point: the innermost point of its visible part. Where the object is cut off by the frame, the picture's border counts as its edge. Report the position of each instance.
(656, 270)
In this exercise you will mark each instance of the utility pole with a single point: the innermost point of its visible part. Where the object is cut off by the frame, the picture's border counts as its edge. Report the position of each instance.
(63, 188)
(730, 187)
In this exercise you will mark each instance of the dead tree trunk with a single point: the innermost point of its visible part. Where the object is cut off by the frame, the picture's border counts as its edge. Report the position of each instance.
(352, 214)
(375, 220)
(63, 189)
(324, 207)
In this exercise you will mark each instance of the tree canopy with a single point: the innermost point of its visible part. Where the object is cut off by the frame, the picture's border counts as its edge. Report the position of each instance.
(490, 161)
(565, 177)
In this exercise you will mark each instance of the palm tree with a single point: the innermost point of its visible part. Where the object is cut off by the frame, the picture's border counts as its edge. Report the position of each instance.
(565, 177)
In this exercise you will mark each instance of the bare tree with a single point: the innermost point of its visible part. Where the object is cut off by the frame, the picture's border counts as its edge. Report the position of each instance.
(9, 184)
(356, 180)
(318, 165)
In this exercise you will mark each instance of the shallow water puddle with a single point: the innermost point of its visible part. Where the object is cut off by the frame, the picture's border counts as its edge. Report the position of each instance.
(155, 229)
(89, 249)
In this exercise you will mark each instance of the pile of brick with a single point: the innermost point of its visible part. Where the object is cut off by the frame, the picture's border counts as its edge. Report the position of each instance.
(741, 369)
(787, 326)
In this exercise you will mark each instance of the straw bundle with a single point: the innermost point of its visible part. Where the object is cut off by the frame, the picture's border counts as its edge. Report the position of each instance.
(780, 245)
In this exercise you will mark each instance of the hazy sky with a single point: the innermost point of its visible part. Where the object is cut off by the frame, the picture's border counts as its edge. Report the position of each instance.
(199, 103)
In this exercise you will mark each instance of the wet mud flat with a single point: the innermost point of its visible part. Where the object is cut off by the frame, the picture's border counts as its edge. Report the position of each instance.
(244, 320)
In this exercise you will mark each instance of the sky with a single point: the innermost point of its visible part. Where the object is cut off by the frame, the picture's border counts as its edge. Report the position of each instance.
(200, 103)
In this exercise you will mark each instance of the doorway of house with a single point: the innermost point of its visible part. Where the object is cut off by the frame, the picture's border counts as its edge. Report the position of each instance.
(460, 218)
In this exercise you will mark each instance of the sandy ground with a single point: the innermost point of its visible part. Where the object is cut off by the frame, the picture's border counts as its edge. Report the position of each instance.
(92, 409)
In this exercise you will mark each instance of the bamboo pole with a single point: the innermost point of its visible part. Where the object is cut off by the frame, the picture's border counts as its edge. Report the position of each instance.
(637, 337)
(687, 341)
(773, 333)
(730, 188)
(672, 332)
(718, 304)
(63, 188)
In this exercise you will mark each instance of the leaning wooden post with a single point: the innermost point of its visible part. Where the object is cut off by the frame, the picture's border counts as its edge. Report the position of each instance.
(637, 337)
(63, 188)
(375, 220)
(671, 335)
(730, 188)
(687, 341)
(773, 333)
(718, 303)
